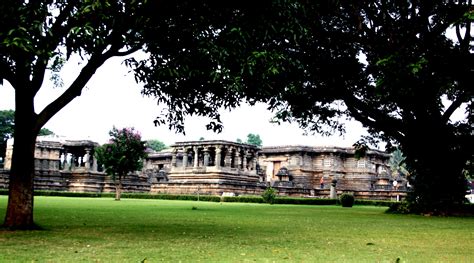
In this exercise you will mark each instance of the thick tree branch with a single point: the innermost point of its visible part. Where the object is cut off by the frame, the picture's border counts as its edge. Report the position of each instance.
(377, 120)
(127, 52)
(453, 107)
(74, 89)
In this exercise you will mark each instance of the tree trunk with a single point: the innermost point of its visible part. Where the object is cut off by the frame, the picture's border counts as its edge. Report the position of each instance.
(118, 189)
(439, 185)
(21, 187)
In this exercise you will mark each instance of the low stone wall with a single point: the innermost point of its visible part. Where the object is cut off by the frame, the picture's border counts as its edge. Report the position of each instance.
(81, 181)
(85, 181)
(206, 188)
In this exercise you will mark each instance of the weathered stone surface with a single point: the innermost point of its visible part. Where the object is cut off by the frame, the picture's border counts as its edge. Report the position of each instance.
(216, 167)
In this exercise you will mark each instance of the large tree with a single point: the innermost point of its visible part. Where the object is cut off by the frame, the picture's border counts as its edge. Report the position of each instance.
(122, 155)
(300, 56)
(389, 64)
(38, 37)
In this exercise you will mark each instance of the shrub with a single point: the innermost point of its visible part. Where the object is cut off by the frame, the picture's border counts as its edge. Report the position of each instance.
(242, 199)
(347, 200)
(305, 201)
(269, 195)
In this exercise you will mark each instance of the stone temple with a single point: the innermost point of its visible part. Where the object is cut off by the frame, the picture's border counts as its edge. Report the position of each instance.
(217, 167)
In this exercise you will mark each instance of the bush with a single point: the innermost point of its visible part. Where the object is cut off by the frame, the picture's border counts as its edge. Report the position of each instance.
(305, 201)
(373, 202)
(242, 199)
(269, 195)
(347, 200)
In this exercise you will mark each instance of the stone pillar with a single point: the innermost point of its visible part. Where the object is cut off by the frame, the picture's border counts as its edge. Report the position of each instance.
(52, 165)
(244, 161)
(94, 164)
(62, 161)
(254, 162)
(196, 156)
(237, 159)
(228, 158)
(87, 164)
(332, 191)
(206, 157)
(217, 161)
(72, 164)
(185, 157)
(173, 157)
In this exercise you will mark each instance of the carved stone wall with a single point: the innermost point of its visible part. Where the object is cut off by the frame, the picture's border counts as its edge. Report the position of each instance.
(218, 167)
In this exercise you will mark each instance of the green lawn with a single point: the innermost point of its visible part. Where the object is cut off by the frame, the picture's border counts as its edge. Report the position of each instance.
(103, 230)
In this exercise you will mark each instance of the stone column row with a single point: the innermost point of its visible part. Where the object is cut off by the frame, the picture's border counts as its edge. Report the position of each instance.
(232, 157)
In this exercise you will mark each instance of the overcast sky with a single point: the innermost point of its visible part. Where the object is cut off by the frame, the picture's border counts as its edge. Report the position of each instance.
(113, 98)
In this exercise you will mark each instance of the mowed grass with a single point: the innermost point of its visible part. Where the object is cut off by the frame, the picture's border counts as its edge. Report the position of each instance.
(103, 230)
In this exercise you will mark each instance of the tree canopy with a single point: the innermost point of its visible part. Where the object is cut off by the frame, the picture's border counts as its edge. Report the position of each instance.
(156, 145)
(302, 57)
(390, 65)
(254, 139)
(123, 154)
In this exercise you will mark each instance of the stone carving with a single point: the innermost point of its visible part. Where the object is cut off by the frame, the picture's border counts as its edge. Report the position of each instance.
(216, 167)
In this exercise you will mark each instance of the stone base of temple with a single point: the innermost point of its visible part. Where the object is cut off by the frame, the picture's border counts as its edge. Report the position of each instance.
(205, 184)
(81, 181)
(219, 188)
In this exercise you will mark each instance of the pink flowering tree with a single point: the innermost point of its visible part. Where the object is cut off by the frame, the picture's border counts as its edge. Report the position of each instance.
(123, 154)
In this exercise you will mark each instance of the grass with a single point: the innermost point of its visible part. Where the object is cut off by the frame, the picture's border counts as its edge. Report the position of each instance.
(132, 230)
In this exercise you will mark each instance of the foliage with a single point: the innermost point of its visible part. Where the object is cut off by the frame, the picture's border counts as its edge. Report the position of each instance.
(389, 65)
(238, 140)
(397, 163)
(269, 195)
(7, 125)
(254, 139)
(242, 199)
(305, 201)
(302, 57)
(7, 122)
(347, 200)
(156, 145)
(123, 154)
(45, 132)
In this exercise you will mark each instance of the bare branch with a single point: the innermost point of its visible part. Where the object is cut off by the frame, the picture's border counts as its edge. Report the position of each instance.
(453, 107)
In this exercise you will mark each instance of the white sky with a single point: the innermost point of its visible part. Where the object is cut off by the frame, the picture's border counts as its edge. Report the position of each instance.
(113, 98)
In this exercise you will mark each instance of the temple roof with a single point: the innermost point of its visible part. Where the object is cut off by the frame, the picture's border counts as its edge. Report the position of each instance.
(317, 149)
(214, 142)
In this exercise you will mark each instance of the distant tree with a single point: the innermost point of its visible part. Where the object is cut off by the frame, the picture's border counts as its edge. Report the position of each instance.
(397, 163)
(7, 124)
(201, 138)
(156, 145)
(45, 132)
(238, 140)
(254, 139)
(123, 154)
